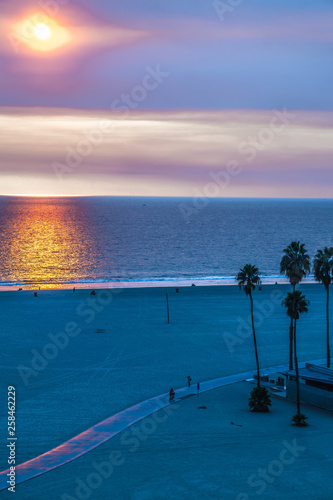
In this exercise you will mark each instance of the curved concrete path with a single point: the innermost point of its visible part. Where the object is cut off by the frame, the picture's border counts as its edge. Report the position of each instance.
(99, 433)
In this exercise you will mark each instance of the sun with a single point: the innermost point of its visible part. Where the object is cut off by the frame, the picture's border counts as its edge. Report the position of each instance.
(42, 31)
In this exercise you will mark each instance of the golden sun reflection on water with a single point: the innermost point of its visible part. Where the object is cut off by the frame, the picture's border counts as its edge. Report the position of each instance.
(46, 241)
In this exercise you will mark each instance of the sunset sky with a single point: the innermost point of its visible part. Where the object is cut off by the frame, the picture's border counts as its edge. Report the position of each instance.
(186, 98)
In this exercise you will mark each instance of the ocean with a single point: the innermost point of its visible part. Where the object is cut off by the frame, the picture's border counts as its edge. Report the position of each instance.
(62, 242)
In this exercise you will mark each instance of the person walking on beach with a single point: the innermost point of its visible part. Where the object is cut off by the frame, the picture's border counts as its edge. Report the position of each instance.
(171, 394)
(189, 381)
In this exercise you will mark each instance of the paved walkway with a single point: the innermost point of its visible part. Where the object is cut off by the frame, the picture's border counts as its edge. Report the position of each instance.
(99, 433)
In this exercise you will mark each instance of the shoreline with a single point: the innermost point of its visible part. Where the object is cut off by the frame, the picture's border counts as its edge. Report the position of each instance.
(146, 283)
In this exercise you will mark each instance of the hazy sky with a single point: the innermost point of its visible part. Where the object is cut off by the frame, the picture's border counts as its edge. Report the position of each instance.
(166, 98)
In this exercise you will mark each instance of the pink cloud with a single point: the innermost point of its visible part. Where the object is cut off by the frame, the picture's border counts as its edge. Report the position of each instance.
(164, 152)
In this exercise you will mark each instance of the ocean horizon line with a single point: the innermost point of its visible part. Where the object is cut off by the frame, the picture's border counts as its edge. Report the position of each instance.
(168, 197)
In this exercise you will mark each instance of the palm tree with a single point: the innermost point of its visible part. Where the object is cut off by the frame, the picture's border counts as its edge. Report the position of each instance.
(323, 265)
(296, 304)
(295, 264)
(249, 278)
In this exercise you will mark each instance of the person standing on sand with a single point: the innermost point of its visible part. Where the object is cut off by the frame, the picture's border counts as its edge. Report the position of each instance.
(189, 381)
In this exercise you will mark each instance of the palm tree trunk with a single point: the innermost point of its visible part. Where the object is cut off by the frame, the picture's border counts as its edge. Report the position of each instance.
(255, 343)
(291, 366)
(297, 374)
(328, 328)
(291, 345)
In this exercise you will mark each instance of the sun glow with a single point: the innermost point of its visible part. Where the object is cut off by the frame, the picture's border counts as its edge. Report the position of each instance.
(40, 36)
(42, 31)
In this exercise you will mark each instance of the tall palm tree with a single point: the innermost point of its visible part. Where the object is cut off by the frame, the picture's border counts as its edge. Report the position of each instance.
(295, 264)
(296, 304)
(248, 277)
(323, 265)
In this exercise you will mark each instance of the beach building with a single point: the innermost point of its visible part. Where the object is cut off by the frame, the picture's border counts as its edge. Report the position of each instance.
(316, 385)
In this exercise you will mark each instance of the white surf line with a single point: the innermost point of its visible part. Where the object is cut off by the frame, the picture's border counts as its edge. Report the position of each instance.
(105, 430)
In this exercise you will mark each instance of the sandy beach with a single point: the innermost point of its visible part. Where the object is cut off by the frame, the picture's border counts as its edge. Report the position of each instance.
(76, 359)
(208, 446)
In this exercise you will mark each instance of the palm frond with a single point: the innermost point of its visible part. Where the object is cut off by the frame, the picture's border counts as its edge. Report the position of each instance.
(296, 304)
(248, 276)
(323, 266)
(295, 263)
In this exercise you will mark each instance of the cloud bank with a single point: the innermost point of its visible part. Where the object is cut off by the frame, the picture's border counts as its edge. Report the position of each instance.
(64, 151)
